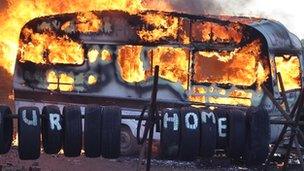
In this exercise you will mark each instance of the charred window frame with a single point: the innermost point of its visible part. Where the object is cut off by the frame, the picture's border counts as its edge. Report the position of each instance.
(42, 43)
(150, 56)
(60, 81)
(47, 61)
(220, 85)
(218, 33)
(247, 37)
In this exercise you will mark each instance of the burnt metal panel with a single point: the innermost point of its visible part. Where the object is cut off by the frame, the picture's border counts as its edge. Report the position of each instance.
(277, 36)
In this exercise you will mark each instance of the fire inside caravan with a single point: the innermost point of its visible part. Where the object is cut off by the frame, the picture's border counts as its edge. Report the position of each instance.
(107, 58)
(112, 54)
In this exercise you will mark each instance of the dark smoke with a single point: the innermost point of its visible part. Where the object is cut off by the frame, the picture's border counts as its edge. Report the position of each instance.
(3, 4)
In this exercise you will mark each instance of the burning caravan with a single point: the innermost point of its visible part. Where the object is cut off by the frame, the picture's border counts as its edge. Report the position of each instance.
(215, 63)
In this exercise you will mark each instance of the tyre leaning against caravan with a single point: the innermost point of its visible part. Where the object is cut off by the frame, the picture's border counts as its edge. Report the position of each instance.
(29, 133)
(52, 129)
(110, 132)
(190, 134)
(170, 133)
(301, 139)
(92, 131)
(258, 136)
(6, 129)
(72, 140)
(237, 134)
(208, 133)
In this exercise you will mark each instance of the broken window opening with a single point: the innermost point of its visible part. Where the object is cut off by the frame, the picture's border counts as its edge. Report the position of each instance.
(289, 67)
(240, 67)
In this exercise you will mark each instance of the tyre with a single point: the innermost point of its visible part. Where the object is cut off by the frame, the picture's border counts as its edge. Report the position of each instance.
(208, 133)
(110, 132)
(29, 133)
(222, 127)
(92, 131)
(6, 129)
(190, 134)
(258, 136)
(170, 133)
(128, 142)
(301, 141)
(237, 134)
(52, 129)
(72, 131)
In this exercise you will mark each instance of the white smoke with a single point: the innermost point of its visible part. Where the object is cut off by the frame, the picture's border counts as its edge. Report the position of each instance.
(289, 13)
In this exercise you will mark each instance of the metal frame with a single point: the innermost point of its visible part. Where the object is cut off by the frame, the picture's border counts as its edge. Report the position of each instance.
(292, 121)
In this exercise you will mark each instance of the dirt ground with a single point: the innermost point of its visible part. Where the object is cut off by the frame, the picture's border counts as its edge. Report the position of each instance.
(11, 161)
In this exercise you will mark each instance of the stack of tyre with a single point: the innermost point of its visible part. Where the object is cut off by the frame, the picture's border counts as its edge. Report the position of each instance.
(189, 133)
(101, 135)
(186, 133)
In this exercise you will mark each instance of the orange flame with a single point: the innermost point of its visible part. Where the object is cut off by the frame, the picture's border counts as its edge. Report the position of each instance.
(206, 31)
(106, 55)
(198, 95)
(21, 11)
(235, 97)
(88, 22)
(163, 27)
(289, 67)
(52, 79)
(238, 67)
(61, 50)
(130, 64)
(241, 66)
(66, 81)
(230, 101)
(172, 63)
